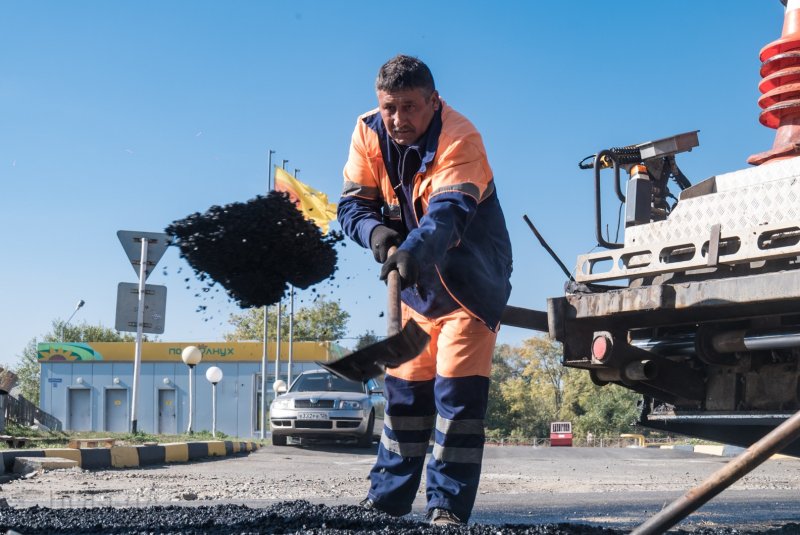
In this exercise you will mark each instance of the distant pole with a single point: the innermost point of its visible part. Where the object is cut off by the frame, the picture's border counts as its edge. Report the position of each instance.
(262, 422)
(291, 320)
(269, 171)
(278, 325)
(64, 325)
(291, 332)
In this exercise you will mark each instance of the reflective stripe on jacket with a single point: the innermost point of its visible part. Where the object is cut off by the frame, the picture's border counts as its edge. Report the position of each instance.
(461, 230)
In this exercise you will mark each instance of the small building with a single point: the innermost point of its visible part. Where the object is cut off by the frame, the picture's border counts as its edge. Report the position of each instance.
(560, 433)
(89, 386)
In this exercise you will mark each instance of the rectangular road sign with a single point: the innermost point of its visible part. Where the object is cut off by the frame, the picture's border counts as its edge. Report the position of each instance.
(155, 306)
(131, 240)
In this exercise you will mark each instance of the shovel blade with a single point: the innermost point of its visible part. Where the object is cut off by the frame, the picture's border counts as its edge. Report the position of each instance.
(373, 360)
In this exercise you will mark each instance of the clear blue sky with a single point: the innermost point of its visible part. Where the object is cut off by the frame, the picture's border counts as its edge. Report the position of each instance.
(129, 115)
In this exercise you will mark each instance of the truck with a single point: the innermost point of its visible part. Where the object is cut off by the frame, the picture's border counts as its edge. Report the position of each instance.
(698, 308)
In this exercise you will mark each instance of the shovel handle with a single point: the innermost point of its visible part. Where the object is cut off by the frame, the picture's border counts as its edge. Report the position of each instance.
(393, 286)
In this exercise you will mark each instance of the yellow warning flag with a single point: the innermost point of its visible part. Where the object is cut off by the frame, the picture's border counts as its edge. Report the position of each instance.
(314, 204)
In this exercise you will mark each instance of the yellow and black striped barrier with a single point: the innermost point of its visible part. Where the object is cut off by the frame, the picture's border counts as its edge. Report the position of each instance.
(133, 456)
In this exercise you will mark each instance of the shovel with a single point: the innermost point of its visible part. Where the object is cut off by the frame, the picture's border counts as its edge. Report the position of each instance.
(400, 346)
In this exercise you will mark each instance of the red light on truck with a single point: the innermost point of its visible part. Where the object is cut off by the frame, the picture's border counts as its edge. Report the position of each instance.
(601, 346)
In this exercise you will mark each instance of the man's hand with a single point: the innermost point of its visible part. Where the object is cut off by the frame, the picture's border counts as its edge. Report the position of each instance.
(381, 238)
(405, 263)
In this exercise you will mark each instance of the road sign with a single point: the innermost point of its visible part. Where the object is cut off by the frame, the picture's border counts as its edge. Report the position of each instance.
(144, 250)
(155, 306)
(131, 240)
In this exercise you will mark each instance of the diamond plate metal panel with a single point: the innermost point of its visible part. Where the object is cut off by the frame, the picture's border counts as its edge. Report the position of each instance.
(744, 203)
(764, 199)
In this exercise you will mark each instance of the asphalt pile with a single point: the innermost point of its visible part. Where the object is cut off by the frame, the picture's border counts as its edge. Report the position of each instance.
(300, 517)
(254, 249)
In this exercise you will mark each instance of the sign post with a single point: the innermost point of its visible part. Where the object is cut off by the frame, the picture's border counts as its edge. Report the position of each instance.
(144, 249)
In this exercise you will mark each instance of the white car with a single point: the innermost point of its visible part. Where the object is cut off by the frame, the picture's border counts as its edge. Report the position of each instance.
(320, 404)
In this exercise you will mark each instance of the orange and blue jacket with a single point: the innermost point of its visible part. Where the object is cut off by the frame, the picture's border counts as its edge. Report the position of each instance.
(454, 226)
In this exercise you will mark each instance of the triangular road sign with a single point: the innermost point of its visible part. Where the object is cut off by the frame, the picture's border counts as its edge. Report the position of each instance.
(131, 240)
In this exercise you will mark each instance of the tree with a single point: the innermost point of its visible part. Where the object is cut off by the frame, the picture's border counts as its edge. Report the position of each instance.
(499, 421)
(525, 401)
(324, 320)
(530, 388)
(602, 410)
(366, 339)
(28, 370)
(545, 368)
(84, 332)
(28, 373)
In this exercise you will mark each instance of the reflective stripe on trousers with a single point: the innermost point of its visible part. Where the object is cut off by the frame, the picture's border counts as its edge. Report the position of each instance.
(455, 454)
(454, 468)
(406, 423)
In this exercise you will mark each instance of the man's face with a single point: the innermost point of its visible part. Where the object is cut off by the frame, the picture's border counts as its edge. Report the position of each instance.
(407, 114)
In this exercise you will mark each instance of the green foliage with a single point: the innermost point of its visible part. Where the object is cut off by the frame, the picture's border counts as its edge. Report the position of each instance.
(16, 430)
(605, 411)
(138, 437)
(531, 388)
(28, 373)
(366, 339)
(27, 368)
(205, 434)
(84, 332)
(499, 421)
(543, 366)
(37, 438)
(525, 396)
(323, 321)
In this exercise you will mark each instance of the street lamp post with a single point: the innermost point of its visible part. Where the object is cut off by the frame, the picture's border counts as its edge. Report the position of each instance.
(64, 325)
(214, 375)
(191, 356)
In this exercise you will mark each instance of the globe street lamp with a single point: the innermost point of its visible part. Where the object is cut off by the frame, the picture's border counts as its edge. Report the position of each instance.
(214, 375)
(191, 356)
(64, 325)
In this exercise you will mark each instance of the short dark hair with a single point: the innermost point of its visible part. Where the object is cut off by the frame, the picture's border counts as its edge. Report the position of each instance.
(404, 72)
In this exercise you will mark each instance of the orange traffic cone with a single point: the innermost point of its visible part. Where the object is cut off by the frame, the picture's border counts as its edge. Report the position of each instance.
(780, 85)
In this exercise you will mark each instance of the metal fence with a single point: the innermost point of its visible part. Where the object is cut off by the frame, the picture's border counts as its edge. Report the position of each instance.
(23, 412)
(593, 442)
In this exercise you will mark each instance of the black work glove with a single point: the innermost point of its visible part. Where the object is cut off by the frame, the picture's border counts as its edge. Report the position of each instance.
(381, 238)
(405, 263)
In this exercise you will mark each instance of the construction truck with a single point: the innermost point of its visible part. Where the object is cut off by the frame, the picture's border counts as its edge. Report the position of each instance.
(698, 309)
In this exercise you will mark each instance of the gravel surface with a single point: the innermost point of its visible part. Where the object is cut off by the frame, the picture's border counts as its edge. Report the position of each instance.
(272, 491)
(339, 472)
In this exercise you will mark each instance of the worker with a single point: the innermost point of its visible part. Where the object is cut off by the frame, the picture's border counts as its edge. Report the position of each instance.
(417, 177)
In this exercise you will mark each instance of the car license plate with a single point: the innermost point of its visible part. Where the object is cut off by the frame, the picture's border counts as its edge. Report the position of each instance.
(312, 416)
